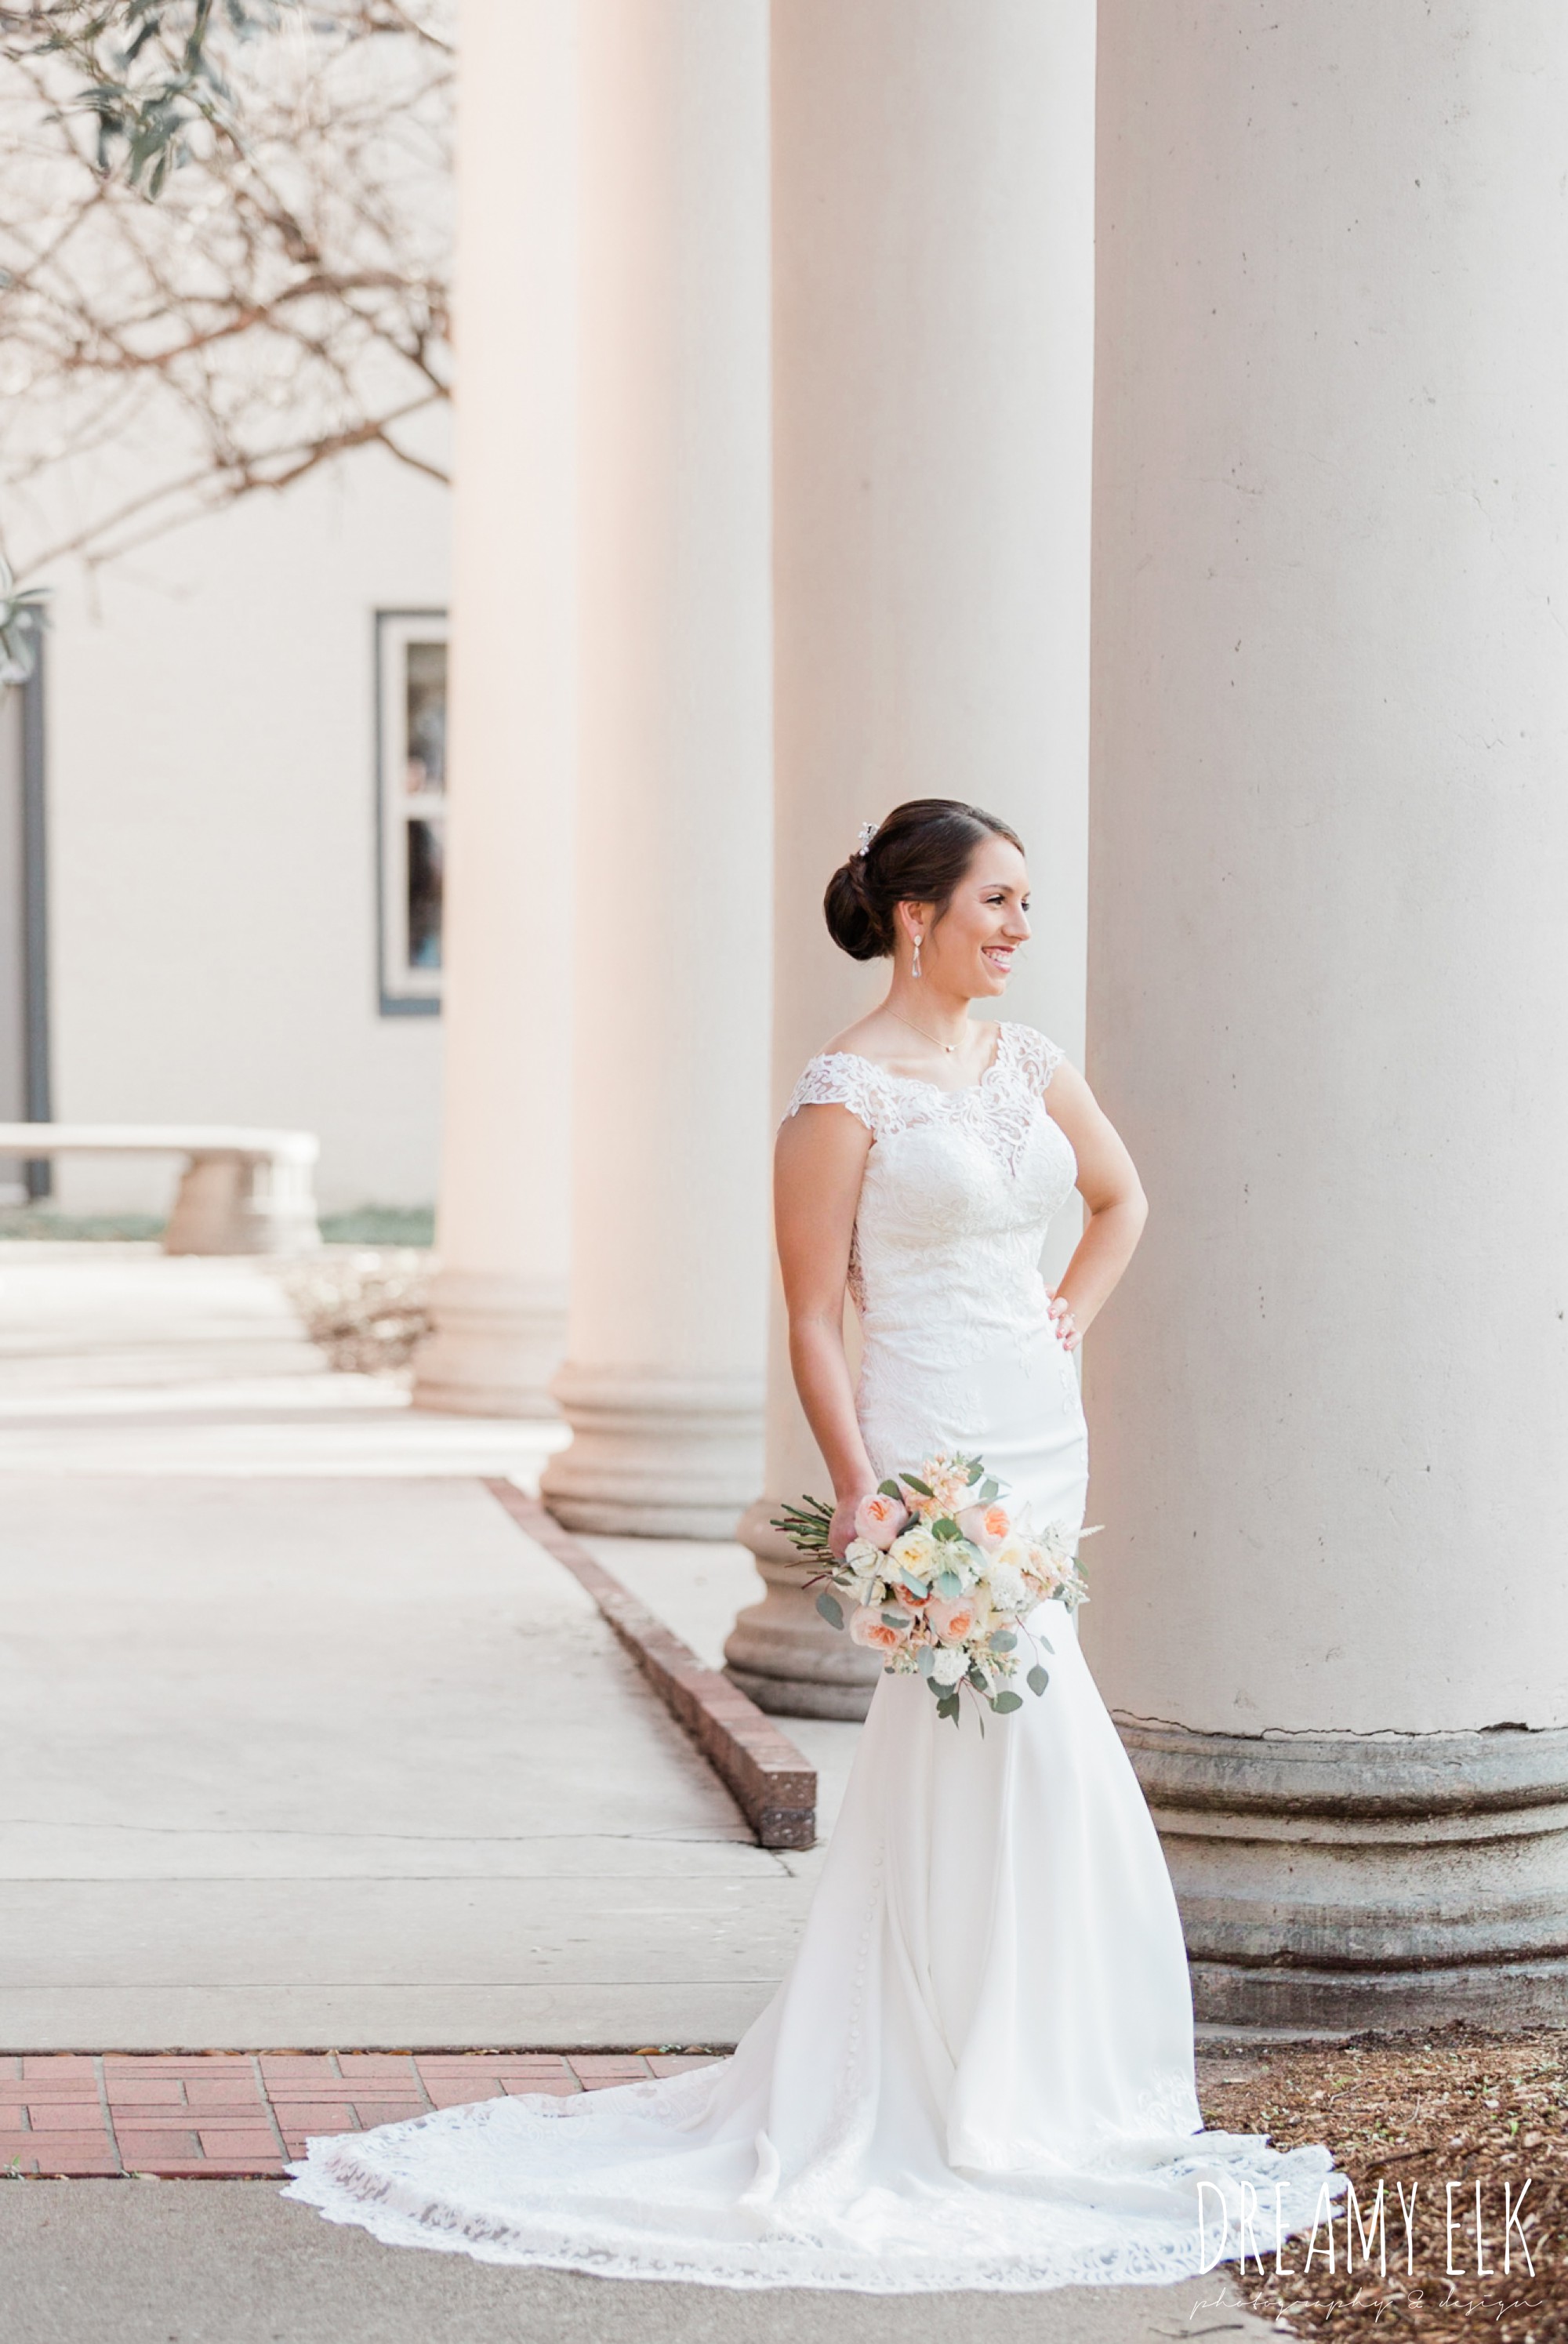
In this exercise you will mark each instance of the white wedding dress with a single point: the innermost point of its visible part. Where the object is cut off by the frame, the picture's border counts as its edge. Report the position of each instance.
(979, 2071)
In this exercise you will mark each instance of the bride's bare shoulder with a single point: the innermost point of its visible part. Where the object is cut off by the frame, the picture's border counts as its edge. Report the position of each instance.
(863, 1039)
(881, 1039)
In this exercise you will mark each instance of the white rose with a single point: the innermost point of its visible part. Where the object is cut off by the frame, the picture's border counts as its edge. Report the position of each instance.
(949, 1665)
(868, 1564)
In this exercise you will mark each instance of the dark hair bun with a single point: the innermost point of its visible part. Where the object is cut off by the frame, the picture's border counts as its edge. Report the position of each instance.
(918, 855)
(848, 913)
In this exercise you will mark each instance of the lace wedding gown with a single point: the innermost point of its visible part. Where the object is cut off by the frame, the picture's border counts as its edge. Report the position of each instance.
(978, 2073)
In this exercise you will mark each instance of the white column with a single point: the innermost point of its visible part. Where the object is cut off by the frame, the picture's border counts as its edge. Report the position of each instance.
(933, 253)
(664, 1375)
(1331, 720)
(500, 1297)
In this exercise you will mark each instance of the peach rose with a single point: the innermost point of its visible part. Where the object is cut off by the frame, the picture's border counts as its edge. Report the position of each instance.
(954, 1619)
(867, 1627)
(988, 1527)
(878, 1521)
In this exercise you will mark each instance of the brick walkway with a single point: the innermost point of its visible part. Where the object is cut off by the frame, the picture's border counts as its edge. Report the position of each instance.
(231, 2114)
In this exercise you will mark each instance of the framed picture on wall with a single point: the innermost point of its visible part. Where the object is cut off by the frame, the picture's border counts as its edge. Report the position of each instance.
(410, 807)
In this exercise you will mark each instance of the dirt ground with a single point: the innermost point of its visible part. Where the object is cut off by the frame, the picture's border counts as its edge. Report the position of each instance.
(1436, 2117)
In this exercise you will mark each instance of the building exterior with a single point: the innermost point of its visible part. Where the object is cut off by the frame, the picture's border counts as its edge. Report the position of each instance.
(1316, 755)
(824, 370)
(228, 823)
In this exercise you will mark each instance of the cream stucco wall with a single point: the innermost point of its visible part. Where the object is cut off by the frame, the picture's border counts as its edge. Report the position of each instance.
(212, 858)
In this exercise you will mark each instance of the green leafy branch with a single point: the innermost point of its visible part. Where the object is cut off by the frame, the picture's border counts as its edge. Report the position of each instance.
(148, 70)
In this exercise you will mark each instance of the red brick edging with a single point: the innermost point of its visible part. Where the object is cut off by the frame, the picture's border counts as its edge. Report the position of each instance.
(239, 2115)
(774, 1785)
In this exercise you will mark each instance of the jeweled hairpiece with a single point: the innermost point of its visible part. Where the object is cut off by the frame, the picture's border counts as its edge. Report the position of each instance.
(868, 830)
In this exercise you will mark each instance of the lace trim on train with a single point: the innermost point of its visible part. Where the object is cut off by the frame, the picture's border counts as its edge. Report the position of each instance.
(497, 2206)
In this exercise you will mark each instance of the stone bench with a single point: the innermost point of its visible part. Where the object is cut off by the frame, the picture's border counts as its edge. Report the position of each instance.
(241, 1191)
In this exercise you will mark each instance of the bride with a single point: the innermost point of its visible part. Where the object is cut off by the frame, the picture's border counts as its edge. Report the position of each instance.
(979, 2071)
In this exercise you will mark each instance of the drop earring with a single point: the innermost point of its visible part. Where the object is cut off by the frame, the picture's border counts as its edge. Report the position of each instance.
(914, 971)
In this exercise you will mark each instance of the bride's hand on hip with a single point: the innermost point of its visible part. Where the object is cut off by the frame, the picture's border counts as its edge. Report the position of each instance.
(1069, 1332)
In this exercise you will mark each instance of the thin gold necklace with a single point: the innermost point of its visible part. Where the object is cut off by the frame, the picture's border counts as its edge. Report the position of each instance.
(949, 1046)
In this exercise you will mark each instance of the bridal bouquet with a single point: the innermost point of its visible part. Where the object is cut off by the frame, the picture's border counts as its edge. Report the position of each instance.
(939, 1578)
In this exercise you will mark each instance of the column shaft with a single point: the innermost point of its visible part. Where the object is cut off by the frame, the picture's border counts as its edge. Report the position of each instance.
(500, 1296)
(664, 1375)
(1329, 830)
(933, 258)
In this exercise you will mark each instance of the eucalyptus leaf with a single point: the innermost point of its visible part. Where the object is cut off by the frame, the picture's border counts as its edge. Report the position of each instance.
(911, 1481)
(946, 1528)
(1004, 1703)
(892, 1619)
(1002, 1640)
(987, 1494)
(1049, 1645)
(888, 1490)
(830, 1607)
(975, 1470)
(949, 1583)
(1037, 1679)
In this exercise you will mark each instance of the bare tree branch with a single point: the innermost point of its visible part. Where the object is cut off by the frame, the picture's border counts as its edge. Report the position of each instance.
(284, 301)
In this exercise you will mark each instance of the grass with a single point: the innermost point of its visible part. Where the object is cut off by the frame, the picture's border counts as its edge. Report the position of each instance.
(372, 1225)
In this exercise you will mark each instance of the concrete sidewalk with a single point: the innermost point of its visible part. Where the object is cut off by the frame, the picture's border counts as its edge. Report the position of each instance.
(304, 1752)
(224, 2262)
(313, 1762)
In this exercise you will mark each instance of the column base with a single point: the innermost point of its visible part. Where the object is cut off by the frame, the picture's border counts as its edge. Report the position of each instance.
(1341, 1882)
(781, 1652)
(655, 1455)
(494, 1348)
(1514, 1997)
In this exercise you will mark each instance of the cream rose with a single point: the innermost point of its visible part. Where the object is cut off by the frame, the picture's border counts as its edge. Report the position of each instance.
(915, 1549)
(1016, 1554)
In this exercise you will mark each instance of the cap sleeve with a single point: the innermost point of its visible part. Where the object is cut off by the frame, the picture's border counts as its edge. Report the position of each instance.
(838, 1078)
(1035, 1057)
